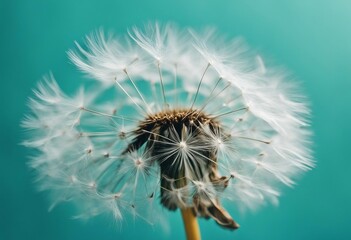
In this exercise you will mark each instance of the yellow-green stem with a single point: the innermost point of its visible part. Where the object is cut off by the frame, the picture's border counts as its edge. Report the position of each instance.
(190, 224)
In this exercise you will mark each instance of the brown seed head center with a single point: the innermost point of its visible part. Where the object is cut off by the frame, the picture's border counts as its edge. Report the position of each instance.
(180, 116)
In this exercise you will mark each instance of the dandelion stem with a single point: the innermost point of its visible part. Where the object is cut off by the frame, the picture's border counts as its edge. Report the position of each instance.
(191, 225)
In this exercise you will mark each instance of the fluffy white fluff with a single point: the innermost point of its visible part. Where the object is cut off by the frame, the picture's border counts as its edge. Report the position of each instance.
(80, 139)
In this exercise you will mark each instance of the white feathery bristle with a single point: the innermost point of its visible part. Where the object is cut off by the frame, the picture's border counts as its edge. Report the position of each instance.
(261, 144)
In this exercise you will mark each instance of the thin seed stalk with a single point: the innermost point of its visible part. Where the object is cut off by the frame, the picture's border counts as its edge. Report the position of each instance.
(191, 225)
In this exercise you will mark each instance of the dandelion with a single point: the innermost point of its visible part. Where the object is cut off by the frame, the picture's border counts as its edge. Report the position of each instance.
(170, 118)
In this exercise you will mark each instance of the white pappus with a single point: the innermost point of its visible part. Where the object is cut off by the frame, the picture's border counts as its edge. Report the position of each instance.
(178, 117)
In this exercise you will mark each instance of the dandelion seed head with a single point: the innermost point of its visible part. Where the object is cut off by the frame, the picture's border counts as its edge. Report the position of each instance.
(183, 118)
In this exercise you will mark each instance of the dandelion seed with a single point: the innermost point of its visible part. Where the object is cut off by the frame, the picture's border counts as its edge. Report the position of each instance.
(177, 118)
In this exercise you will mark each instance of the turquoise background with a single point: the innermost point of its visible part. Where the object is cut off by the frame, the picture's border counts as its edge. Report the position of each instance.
(312, 38)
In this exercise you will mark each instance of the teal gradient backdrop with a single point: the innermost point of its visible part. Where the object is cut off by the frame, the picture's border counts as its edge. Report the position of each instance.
(310, 38)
